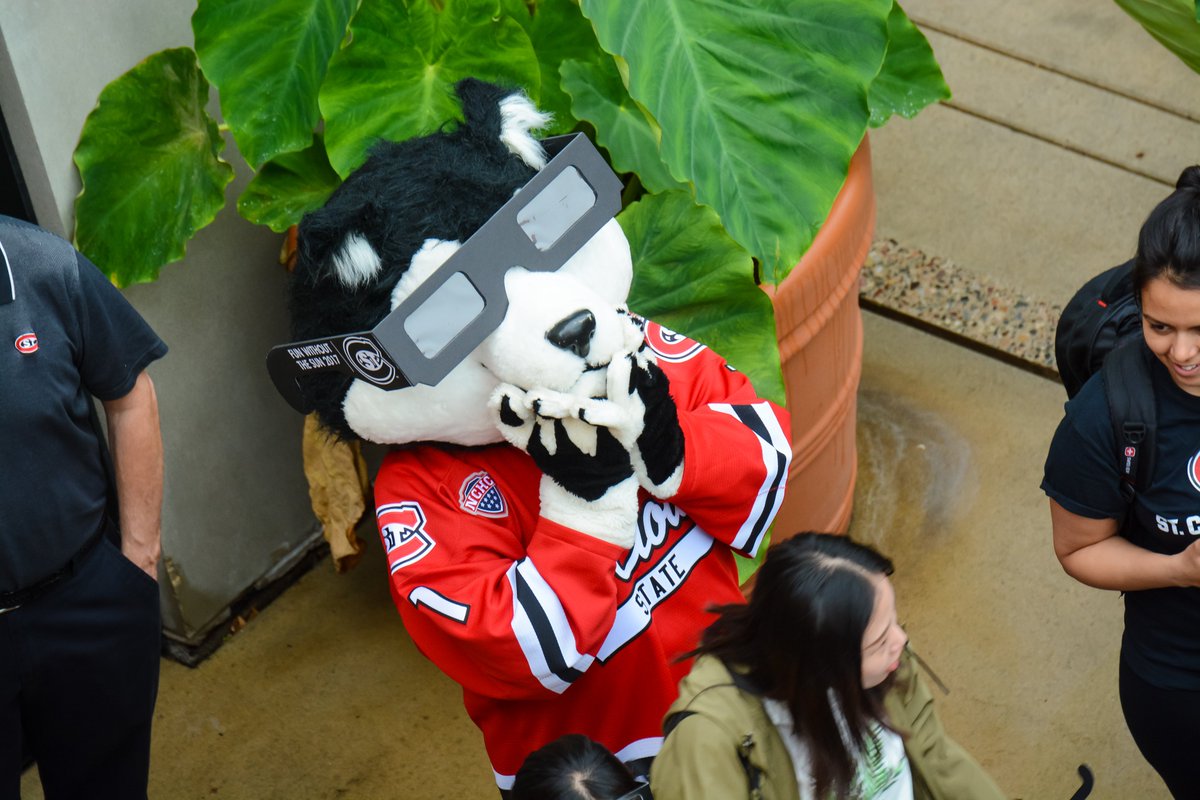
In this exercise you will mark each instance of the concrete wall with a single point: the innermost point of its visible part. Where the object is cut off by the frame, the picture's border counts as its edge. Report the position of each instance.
(236, 506)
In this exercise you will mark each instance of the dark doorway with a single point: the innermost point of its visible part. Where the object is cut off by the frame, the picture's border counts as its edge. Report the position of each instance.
(14, 197)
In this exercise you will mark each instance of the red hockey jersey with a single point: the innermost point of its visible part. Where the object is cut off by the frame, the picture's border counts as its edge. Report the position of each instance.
(551, 631)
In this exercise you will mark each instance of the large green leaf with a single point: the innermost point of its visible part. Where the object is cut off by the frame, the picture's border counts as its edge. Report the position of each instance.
(267, 59)
(149, 162)
(761, 102)
(396, 78)
(599, 96)
(1174, 23)
(910, 77)
(690, 276)
(558, 32)
(288, 186)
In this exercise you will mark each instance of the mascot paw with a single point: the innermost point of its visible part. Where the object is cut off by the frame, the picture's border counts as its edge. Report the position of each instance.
(588, 481)
(650, 425)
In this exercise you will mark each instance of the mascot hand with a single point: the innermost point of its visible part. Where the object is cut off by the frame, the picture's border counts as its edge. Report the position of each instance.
(646, 423)
(587, 481)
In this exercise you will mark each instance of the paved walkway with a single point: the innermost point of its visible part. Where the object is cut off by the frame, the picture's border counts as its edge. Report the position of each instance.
(1068, 123)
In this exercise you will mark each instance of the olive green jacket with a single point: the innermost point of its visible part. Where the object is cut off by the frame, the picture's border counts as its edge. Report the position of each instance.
(712, 751)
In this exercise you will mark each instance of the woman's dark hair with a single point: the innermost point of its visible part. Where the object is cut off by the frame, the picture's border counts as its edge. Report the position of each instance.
(572, 767)
(799, 640)
(1169, 242)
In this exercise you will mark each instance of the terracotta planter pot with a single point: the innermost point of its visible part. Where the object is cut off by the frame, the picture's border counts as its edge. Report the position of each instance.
(819, 326)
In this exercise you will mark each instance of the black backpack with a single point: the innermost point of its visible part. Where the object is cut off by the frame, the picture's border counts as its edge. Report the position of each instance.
(1100, 330)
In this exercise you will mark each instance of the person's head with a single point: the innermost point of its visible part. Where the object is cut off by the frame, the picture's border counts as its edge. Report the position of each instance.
(1166, 279)
(573, 767)
(820, 624)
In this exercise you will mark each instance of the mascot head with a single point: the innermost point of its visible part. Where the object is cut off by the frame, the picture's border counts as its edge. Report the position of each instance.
(398, 218)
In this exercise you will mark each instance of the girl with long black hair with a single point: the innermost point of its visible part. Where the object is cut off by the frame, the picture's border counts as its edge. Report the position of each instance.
(807, 691)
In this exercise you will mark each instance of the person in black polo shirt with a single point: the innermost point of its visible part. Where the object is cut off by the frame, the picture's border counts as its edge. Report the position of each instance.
(79, 612)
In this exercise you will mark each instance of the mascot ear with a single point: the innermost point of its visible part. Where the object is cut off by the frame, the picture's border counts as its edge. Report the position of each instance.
(496, 114)
(335, 243)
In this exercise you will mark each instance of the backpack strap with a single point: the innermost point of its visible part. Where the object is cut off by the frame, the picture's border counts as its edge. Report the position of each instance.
(753, 773)
(744, 748)
(672, 721)
(1130, 390)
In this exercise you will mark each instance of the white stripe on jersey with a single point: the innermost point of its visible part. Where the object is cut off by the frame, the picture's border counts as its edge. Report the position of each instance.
(776, 456)
(642, 748)
(542, 629)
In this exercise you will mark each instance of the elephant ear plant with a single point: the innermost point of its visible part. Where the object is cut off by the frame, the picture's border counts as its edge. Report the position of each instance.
(1174, 23)
(733, 123)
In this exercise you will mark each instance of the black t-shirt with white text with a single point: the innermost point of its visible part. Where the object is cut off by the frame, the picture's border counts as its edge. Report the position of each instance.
(1162, 626)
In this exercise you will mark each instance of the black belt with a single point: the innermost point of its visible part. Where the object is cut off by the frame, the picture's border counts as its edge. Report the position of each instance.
(20, 597)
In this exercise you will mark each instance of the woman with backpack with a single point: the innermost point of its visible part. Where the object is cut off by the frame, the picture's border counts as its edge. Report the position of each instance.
(1141, 534)
(808, 691)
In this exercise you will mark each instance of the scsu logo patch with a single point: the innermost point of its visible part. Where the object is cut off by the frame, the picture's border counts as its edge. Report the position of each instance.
(26, 343)
(402, 529)
(368, 361)
(1193, 471)
(669, 345)
(480, 496)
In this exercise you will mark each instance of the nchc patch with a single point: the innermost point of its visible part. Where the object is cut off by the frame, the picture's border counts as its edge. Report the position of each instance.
(480, 496)
(402, 529)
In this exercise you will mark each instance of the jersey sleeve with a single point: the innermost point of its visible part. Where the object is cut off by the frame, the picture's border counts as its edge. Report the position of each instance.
(505, 612)
(737, 446)
(1081, 472)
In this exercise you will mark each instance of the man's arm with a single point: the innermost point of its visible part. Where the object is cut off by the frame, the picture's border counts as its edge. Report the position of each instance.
(137, 453)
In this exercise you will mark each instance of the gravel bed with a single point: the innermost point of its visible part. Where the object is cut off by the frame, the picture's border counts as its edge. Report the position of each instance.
(946, 297)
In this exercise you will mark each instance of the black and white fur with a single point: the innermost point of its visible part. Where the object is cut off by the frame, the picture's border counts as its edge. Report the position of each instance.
(579, 409)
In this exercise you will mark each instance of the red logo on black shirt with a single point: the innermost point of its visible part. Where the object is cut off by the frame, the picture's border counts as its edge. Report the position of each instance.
(1193, 471)
(27, 343)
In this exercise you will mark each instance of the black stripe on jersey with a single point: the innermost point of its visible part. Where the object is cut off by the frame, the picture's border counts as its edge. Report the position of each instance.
(749, 417)
(768, 511)
(751, 420)
(544, 631)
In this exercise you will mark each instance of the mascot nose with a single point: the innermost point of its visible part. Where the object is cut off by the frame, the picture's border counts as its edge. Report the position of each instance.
(574, 333)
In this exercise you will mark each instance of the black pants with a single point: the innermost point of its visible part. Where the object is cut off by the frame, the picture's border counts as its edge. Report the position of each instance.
(78, 681)
(1164, 724)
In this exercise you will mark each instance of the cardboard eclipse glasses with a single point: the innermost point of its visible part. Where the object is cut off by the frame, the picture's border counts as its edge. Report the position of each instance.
(425, 337)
